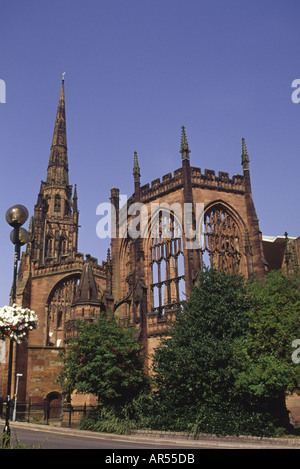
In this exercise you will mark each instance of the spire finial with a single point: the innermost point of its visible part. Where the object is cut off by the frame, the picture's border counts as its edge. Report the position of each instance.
(136, 168)
(108, 257)
(63, 76)
(58, 161)
(245, 156)
(184, 148)
(75, 200)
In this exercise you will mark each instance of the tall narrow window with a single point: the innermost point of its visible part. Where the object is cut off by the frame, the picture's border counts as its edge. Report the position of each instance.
(57, 203)
(167, 264)
(49, 246)
(59, 319)
(63, 246)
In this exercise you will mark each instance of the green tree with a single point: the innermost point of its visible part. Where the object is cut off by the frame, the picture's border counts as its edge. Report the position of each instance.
(268, 372)
(195, 366)
(227, 367)
(106, 360)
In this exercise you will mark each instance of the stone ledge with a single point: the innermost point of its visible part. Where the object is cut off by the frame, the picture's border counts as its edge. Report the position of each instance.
(230, 438)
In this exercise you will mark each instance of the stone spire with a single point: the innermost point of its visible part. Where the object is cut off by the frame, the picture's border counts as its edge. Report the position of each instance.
(186, 169)
(136, 168)
(188, 199)
(245, 156)
(55, 200)
(75, 200)
(136, 178)
(184, 148)
(58, 170)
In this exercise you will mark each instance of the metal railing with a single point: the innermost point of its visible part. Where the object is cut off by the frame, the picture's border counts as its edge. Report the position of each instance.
(46, 414)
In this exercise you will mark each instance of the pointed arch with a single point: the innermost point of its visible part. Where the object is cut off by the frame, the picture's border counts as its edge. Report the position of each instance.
(58, 308)
(161, 239)
(223, 237)
(165, 243)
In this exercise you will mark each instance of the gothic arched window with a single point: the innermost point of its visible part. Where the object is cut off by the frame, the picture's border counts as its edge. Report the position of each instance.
(59, 310)
(167, 263)
(222, 241)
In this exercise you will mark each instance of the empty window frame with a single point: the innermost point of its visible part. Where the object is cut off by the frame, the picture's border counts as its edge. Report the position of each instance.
(167, 264)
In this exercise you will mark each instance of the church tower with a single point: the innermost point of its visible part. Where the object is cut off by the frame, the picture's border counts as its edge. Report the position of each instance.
(54, 279)
(55, 226)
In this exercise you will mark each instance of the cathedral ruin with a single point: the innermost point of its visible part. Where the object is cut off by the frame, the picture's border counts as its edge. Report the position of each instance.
(144, 277)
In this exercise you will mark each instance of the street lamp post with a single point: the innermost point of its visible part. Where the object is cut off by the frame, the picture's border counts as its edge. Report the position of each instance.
(18, 375)
(16, 216)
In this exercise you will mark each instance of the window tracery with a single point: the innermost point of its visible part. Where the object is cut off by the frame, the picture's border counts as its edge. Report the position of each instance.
(59, 310)
(222, 240)
(167, 264)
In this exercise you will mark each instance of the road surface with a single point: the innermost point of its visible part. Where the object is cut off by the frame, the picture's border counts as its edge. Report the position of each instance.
(43, 438)
(50, 437)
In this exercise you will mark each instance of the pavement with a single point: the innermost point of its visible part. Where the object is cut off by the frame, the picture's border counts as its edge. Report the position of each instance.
(145, 436)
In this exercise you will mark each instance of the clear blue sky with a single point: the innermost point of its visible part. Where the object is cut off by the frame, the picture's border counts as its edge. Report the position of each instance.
(136, 71)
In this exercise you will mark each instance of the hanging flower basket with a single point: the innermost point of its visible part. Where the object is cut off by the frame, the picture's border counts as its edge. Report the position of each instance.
(16, 322)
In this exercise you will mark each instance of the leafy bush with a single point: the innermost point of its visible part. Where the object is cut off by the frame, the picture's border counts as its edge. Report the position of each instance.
(104, 359)
(226, 367)
(229, 419)
(107, 419)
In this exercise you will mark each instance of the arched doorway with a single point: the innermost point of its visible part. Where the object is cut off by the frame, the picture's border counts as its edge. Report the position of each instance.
(53, 404)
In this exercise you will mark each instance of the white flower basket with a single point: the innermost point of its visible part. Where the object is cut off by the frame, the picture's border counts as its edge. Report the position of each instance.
(16, 322)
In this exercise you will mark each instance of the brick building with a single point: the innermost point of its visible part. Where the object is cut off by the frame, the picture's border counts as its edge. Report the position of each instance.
(144, 277)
